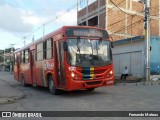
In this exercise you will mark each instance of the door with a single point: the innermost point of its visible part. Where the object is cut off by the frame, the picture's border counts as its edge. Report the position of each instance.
(60, 64)
(17, 67)
(133, 60)
(32, 66)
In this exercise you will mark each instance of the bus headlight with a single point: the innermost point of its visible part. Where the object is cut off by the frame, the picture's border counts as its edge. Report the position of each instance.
(72, 74)
(111, 72)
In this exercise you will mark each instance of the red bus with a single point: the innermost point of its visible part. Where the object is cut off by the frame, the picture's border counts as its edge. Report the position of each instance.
(71, 58)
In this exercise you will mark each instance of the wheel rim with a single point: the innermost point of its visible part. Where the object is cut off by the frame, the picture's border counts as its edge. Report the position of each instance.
(51, 86)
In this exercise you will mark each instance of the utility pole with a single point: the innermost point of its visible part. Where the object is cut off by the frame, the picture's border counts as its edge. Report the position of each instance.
(147, 35)
(43, 27)
(33, 38)
(147, 38)
(24, 40)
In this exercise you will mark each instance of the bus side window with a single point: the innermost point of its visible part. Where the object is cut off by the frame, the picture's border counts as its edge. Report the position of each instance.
(39, 52)
(15, 59)
(44, 50)
(49, 48)
(62, 52)
(26, 56)
(22, 57)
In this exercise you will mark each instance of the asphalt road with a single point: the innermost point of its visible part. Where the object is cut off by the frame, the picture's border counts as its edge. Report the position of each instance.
(130, 97)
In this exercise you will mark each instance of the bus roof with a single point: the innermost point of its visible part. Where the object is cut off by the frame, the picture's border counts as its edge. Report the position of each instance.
(60, 30)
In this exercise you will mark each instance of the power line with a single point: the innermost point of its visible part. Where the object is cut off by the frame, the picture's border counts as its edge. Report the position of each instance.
(129, 25)
(131, 17)
(118, 7)
(52, 20)
(110, 9)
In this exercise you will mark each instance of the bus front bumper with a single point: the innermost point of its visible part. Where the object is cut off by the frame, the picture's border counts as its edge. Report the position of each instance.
(85, 84)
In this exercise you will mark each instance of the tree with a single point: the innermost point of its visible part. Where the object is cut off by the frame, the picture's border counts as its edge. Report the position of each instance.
(1, 55)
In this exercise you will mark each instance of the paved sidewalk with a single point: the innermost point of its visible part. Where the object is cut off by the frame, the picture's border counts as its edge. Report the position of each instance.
(7, 92)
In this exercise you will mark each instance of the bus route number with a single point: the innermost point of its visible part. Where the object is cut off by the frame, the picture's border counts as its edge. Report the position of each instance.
(72, 68)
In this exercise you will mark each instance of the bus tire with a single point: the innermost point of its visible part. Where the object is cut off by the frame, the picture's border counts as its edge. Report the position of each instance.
(51, 86)
(23, 81)
(90, 89)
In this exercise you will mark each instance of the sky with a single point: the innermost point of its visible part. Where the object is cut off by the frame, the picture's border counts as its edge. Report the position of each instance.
(22, 19)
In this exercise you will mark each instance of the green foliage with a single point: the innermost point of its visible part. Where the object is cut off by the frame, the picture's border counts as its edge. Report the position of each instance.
(1, 59)
(7, 50)
(1, 55)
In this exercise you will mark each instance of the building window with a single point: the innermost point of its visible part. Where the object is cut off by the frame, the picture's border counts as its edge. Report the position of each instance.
(83, 3)
(39, 51)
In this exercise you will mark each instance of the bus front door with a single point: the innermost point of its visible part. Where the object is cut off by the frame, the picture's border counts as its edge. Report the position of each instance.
(32, 66)
(18, 68)
(60, 63)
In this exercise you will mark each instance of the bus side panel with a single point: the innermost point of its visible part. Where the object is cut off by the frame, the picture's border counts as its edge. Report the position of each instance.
(25, 70)
(17, 67)
(16, 72)
(39, 73)
(48, 69)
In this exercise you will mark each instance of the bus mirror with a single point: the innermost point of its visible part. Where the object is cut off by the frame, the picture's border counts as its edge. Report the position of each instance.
(112, 45)
(65, 46)
(111, 40)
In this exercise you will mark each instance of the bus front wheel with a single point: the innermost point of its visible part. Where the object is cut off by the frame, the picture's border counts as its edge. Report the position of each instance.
(51, 86)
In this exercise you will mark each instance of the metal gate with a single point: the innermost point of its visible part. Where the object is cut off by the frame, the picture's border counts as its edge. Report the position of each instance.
(133, 60)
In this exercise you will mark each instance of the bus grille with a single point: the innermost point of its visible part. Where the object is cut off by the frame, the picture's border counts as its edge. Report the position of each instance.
(93, 83)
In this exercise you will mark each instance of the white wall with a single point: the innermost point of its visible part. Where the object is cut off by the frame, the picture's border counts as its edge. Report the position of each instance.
(130, 54)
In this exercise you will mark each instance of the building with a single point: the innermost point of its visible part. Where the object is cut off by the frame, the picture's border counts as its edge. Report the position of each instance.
(130, 52)
(123, 19)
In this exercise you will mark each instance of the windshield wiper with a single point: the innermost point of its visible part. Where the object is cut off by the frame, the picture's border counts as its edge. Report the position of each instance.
(92, 62)
(78, 40)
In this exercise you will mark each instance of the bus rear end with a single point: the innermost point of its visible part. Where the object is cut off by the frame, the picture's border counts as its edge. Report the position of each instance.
(87, 58)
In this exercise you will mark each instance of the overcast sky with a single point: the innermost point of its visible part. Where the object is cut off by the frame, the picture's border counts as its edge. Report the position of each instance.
(19, 18)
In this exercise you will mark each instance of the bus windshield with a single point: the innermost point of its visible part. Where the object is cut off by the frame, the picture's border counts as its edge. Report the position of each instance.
(88, 52)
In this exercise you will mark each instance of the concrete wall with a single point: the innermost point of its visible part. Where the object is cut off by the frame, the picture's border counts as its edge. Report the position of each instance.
(129, 53)
(155, 56)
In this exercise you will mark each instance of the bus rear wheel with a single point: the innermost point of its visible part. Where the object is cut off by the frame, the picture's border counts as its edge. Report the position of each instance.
(51, 86)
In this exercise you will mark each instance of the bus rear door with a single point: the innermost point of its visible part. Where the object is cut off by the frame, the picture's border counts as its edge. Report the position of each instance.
(17, 67)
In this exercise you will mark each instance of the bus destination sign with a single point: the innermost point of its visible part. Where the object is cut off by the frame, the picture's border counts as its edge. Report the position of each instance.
(86, 32)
